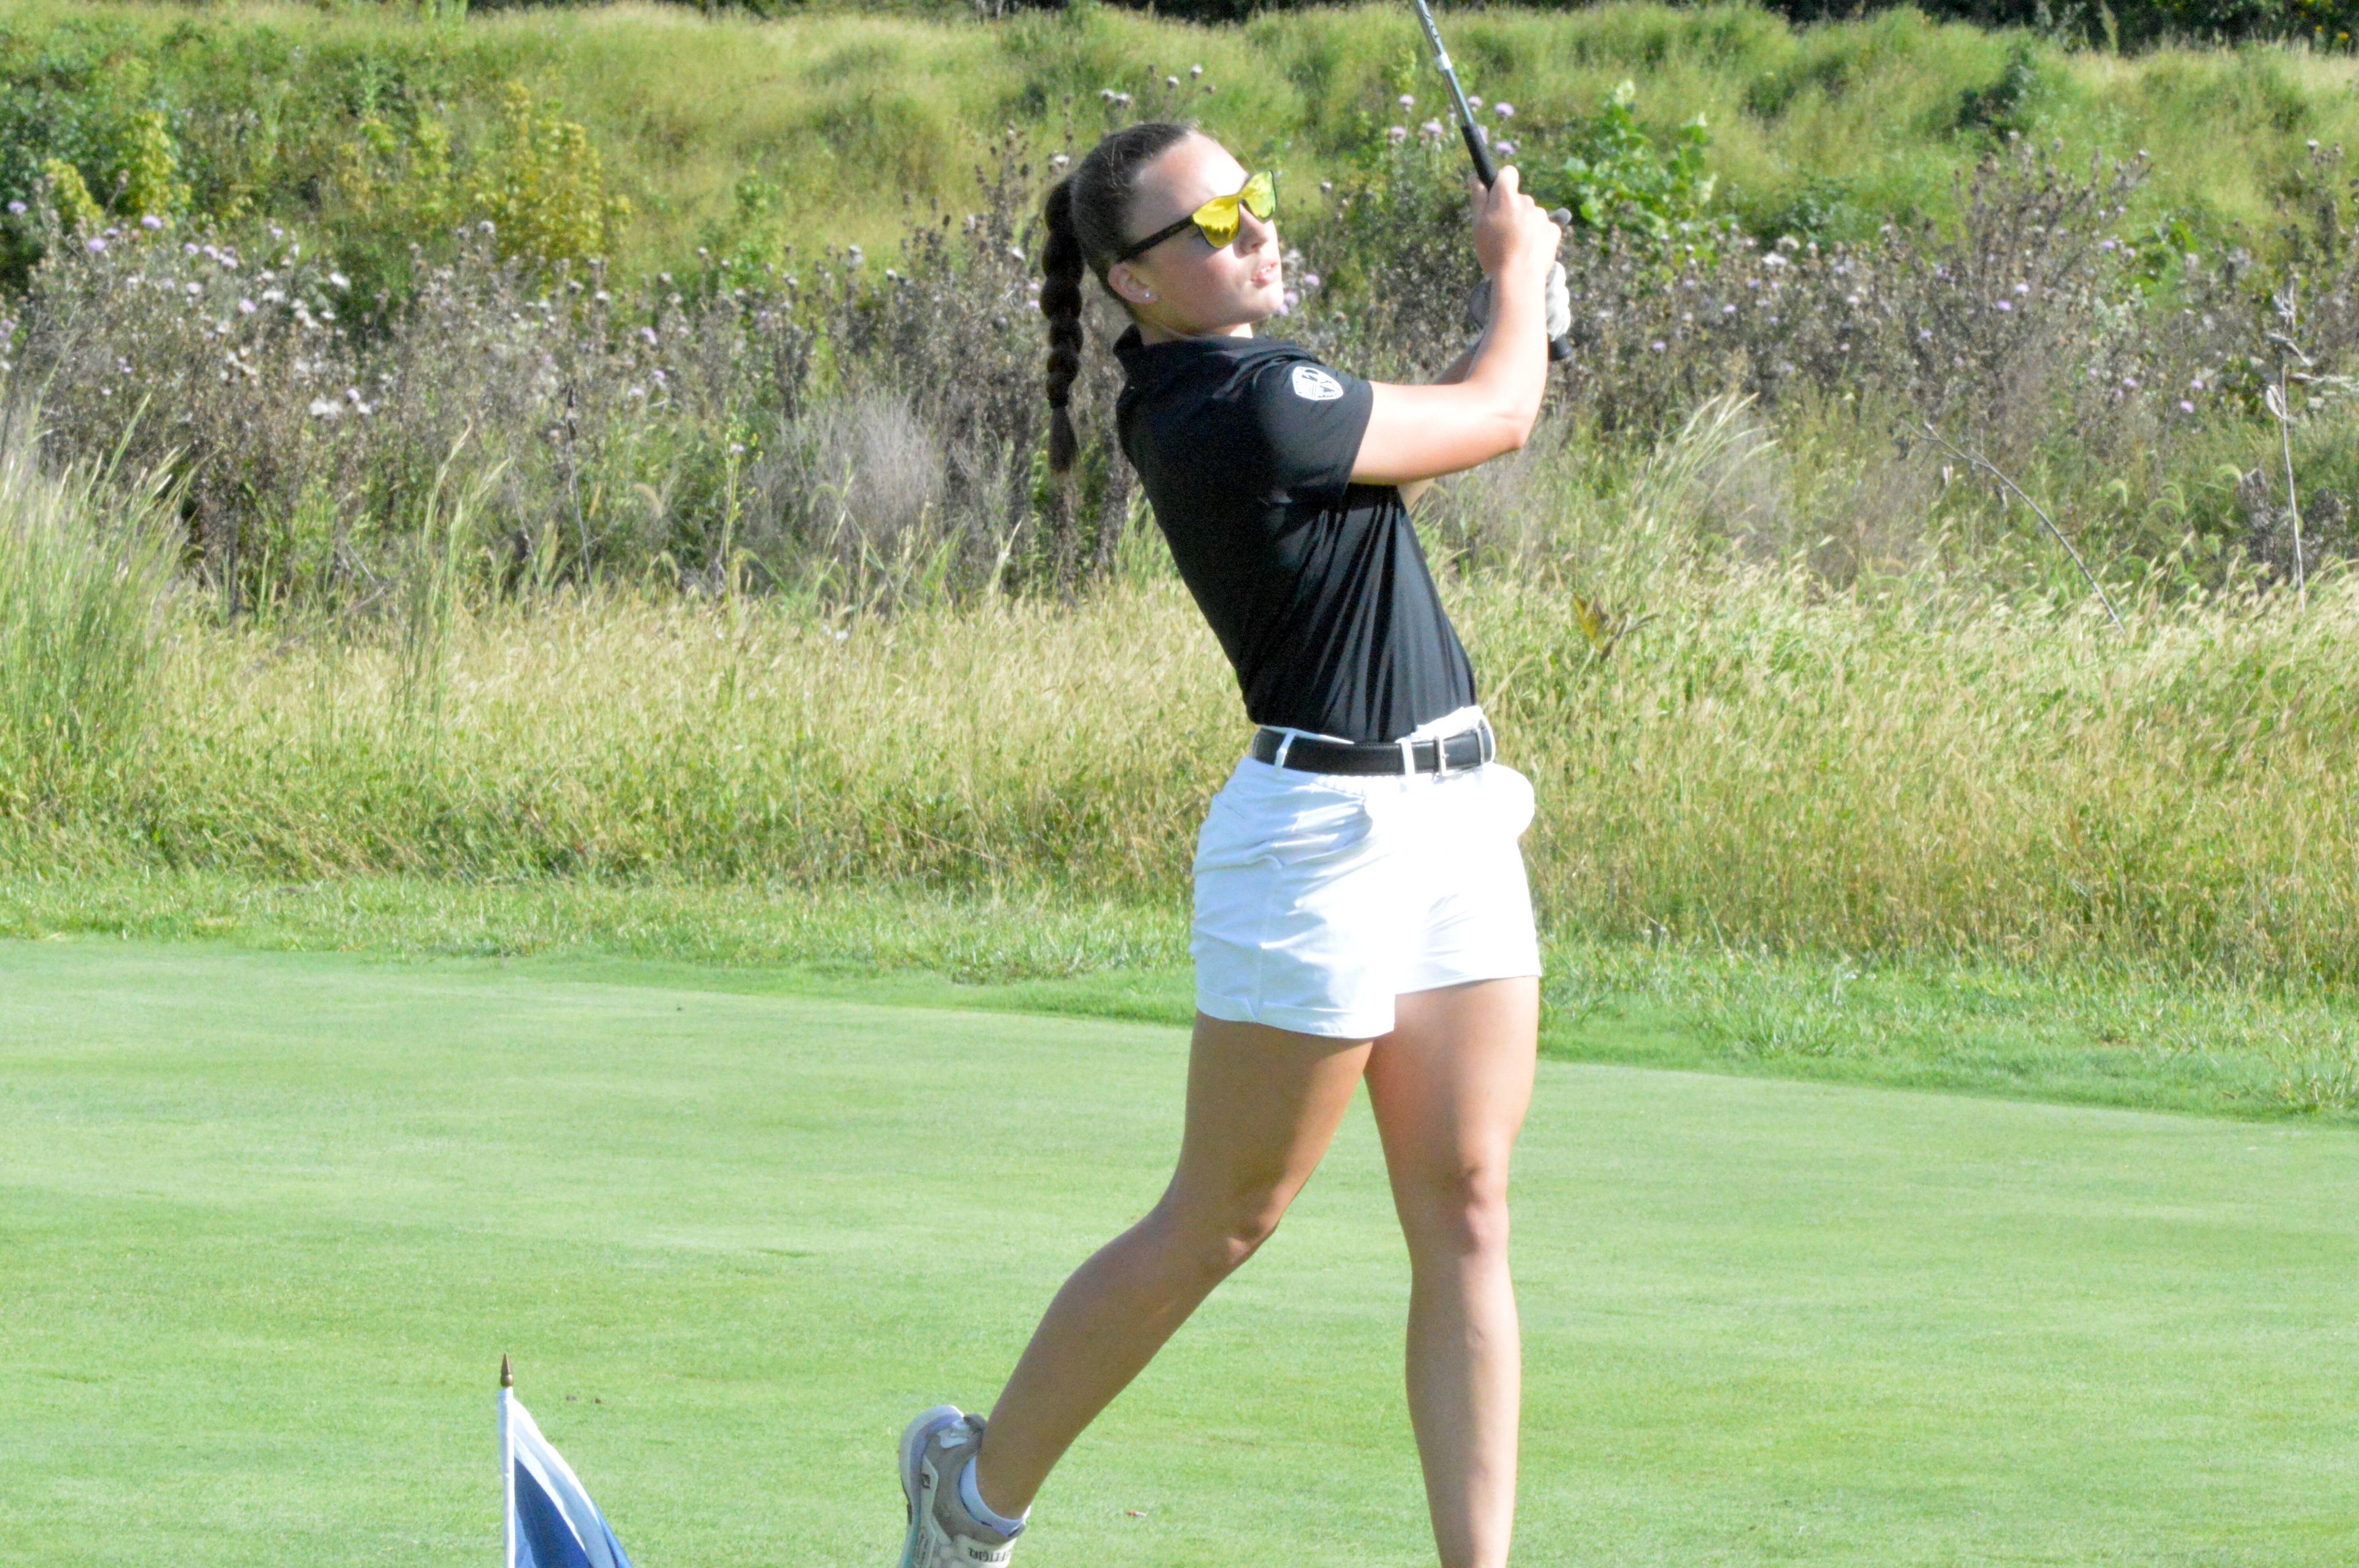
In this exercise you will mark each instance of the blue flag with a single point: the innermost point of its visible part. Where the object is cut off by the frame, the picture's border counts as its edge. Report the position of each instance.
(551, 1521)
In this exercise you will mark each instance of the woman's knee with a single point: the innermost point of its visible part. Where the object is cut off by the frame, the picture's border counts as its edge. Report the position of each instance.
(1218, 1231)
(1458, 1211)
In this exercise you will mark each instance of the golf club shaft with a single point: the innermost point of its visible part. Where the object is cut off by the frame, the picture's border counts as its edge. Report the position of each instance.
(1476, 147)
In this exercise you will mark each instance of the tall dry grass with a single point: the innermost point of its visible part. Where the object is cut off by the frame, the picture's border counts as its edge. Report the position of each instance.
(85, 566)
(1722, 749)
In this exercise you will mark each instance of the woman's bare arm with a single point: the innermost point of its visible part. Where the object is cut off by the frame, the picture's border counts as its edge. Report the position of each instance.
(1418, 433)
(1452, 376)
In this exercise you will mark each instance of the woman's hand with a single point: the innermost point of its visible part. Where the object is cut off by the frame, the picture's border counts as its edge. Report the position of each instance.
(1512, 235)
(1556, 294)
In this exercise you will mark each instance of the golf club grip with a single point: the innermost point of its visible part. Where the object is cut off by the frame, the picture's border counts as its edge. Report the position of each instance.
(1559, 350)
(1485, 169)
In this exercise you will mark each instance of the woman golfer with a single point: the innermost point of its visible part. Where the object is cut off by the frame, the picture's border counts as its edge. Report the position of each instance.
(1360, 911)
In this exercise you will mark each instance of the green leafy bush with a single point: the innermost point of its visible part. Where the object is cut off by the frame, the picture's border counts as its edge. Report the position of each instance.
(1615, 175)
(543, 187)
(393, 188)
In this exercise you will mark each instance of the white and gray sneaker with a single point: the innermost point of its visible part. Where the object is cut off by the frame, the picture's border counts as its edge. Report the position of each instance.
(935, 1451)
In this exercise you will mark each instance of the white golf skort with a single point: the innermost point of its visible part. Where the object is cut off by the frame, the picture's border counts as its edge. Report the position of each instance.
(1320, 897)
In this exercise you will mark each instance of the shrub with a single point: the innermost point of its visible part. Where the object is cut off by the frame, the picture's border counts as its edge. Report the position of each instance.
(150, 183)
(1615, 176)
(77, 209)
(542, 185)
(397, 192)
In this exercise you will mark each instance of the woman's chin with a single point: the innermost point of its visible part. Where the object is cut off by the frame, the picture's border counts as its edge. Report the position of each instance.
(1264, 303)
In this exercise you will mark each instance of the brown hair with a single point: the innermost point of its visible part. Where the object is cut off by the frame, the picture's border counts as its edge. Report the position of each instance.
(1087, 216)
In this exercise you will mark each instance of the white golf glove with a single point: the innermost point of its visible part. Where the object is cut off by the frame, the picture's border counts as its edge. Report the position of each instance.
(1559, 306)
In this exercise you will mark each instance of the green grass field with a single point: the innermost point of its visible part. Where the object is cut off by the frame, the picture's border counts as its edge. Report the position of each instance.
(2112, 1035)
(269, 1219)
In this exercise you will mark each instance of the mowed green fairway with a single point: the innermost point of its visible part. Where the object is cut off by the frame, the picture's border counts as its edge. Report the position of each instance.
(267, 1223)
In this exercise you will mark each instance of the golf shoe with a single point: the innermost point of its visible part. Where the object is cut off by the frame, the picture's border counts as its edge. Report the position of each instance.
(935, 1450)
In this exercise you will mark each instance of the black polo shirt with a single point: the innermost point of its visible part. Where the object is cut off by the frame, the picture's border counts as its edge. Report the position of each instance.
(1316, 587)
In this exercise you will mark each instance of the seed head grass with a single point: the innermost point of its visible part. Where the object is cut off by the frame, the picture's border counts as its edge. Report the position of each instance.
(85, 569)
(1749, 762)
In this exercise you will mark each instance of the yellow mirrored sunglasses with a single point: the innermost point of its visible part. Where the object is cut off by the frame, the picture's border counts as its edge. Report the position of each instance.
(1218, 219)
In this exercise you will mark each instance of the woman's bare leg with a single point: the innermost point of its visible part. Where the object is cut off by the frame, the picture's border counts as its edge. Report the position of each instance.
(1263, 1104)
(1451, 1085)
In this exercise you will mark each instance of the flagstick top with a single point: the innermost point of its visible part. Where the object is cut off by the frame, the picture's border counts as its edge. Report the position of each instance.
(508, 1378)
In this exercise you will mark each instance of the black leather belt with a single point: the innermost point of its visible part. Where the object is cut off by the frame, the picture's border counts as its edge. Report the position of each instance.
(1432, 754)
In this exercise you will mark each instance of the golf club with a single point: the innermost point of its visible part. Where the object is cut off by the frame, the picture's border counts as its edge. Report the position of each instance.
(1476, 147)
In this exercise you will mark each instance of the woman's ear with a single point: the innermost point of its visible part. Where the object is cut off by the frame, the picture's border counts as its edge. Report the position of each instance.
(1128, 284)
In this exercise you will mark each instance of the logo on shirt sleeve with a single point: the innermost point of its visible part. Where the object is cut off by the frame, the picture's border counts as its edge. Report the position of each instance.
(1316, 385)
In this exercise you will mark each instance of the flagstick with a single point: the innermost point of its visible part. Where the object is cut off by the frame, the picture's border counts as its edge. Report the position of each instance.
(507, 1468)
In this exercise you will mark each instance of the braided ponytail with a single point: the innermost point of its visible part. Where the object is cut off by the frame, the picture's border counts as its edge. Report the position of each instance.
(1060, 302)
(1086, 215)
